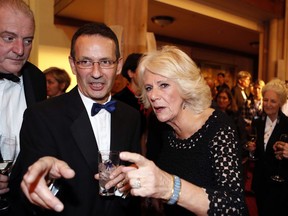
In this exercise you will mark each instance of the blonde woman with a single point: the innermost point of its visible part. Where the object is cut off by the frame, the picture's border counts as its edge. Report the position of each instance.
(198, 171)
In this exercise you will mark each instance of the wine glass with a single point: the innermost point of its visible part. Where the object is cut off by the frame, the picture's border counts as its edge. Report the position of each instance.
(277, 177)
(252, 139)
(8, 152)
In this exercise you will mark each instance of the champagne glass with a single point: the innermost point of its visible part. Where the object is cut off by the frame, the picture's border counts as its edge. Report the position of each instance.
(8, 152)
(277, 177)
(252, 139)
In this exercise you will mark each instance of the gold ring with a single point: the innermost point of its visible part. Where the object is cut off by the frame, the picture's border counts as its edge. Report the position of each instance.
(123, 183)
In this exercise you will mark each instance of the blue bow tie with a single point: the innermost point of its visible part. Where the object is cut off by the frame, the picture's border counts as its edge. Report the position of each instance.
(110, 107)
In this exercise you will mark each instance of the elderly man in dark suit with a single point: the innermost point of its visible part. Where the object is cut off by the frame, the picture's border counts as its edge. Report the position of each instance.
(71, 128)
(21, 83)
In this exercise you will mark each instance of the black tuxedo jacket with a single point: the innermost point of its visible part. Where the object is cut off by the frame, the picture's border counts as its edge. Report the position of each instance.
(60, 127)
(240, 101)
(34, 82)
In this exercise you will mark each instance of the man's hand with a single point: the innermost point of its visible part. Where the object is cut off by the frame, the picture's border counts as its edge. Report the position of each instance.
(34, 183)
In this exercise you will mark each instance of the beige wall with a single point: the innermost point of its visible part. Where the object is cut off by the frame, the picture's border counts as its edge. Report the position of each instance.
(51, 45)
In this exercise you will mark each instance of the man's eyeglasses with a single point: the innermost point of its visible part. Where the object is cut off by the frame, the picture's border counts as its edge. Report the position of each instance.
(88, 64)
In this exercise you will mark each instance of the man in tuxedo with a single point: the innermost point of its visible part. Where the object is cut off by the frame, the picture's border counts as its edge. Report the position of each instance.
(241, 91)
(70, 129)
(21, 83)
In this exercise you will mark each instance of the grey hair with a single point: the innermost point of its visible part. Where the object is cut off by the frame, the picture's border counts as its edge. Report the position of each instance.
(278, 86)
(18, 6)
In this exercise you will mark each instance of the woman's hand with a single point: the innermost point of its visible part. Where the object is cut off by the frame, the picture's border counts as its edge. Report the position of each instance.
(147, 180)
(280, 150)
(250, 146)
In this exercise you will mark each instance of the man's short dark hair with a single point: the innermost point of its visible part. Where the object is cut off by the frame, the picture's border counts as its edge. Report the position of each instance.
(95, 29)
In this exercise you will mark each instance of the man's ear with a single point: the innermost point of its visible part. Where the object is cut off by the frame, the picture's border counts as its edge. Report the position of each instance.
(72, 65)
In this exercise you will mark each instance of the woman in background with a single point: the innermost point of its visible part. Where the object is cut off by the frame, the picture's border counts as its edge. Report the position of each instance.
(226, 103)
(57, 81)
(271, 196)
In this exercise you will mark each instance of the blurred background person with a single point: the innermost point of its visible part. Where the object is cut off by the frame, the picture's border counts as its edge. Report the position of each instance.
(285, 106)
(119, 83)
(221, 82)
(271, 196)
(210, 82)
(57, 81)
(241, 90)
(253, 105)
(226, 103)
(129, 93)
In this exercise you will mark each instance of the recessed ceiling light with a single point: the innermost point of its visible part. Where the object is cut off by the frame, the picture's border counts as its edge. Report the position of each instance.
(162, 20)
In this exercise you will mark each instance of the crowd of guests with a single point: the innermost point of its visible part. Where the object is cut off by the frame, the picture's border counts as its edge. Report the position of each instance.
(257, 107)
(182, 138)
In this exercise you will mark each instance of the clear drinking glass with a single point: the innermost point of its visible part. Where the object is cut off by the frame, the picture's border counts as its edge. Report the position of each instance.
(277, 177)
(252, 140)
(8, 153)
(108, 161)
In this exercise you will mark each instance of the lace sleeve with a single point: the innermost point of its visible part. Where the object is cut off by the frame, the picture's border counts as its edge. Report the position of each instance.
(228, 199)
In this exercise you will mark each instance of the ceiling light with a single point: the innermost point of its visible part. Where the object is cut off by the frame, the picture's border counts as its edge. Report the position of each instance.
(162, 20)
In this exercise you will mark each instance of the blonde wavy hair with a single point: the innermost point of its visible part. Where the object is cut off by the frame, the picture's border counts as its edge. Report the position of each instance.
(174, 64)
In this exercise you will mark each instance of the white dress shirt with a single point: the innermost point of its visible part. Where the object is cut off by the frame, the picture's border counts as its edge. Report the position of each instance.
(269, 127)
(101, 123)
(12, 107)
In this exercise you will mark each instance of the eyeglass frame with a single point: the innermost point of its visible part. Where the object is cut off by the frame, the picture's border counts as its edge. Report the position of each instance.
(78, 63)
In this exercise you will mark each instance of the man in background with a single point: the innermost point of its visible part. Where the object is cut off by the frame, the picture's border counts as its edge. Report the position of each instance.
(241, 91)
(221, 82)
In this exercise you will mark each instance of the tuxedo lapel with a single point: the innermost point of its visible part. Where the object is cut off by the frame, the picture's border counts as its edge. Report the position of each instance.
(34, 82)
(82, 131)
(260, 135)
(117, 126)
(114, 132)
(276, 133)
(85, 139)
(28, 89)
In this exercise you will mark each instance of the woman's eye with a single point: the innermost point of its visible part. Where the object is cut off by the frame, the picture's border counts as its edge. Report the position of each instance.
(148, 88)
(164, 85)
